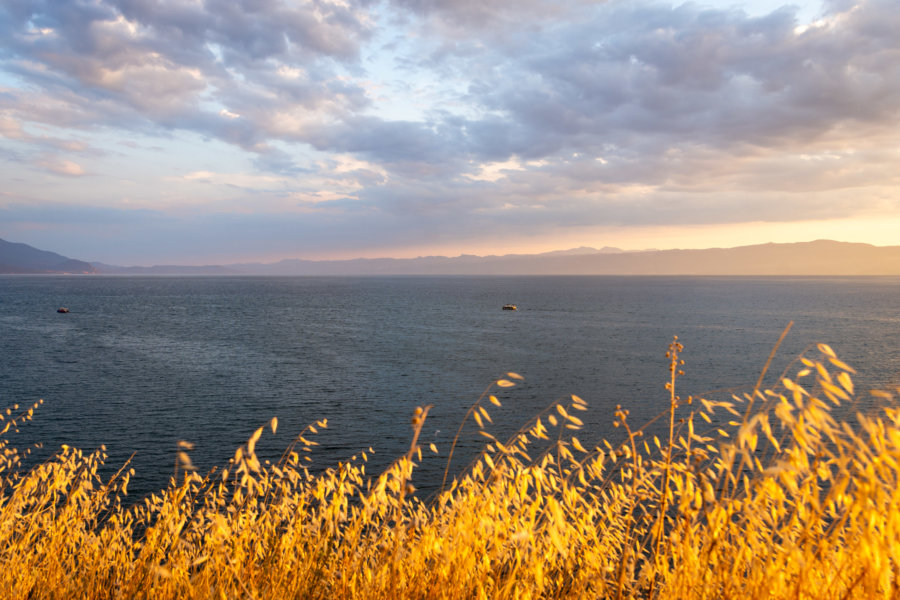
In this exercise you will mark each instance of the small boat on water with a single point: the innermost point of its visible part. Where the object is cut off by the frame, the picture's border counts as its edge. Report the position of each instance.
(62, 309)
(510, 307)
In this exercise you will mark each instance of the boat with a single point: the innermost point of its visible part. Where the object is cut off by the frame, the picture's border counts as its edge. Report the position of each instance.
(62, 309)
(510, 307)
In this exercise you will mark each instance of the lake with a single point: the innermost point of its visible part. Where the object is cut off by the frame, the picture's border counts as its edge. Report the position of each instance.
(142, 362)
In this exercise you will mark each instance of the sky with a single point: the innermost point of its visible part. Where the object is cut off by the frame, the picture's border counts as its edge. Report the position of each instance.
(140, 132)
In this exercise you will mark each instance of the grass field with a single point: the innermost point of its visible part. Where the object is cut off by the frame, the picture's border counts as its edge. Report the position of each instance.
(763, 495)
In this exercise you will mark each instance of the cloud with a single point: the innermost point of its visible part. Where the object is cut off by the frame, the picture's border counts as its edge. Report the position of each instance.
(648, 78)
(458, 19)
(12, 129)
(66, 168)
(177, 65)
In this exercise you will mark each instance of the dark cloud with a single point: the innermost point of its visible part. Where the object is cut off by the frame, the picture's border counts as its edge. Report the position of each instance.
(422, 150)
(459, 19)
(640, 75)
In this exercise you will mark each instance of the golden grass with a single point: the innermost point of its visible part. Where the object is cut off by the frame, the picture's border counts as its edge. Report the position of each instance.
(780, 500)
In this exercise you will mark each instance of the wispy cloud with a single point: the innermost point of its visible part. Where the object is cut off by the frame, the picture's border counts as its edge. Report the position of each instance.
(63, 167)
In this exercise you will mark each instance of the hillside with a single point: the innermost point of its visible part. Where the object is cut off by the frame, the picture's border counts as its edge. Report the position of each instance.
(23, 259)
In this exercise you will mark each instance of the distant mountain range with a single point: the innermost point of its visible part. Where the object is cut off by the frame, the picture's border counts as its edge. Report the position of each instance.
(821, 257)
(165, 270)
(22, 258)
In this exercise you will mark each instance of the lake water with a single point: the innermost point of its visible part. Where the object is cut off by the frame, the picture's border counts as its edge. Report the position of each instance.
(140, 363)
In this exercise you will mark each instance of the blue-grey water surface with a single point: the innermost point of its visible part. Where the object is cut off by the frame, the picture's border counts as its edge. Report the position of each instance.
(140, 363)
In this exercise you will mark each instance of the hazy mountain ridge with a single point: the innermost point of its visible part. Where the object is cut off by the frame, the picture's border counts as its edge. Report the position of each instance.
(164, 270)
(18, 258)
(821, 257)
(583, 250)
